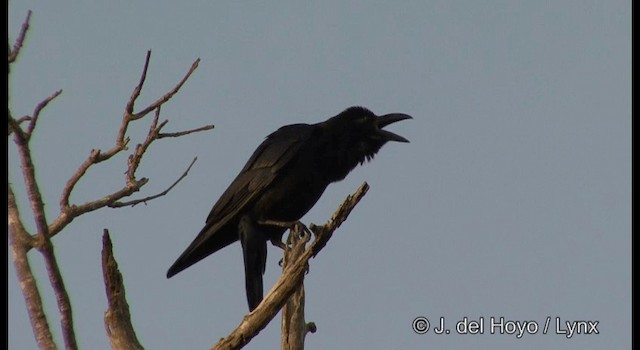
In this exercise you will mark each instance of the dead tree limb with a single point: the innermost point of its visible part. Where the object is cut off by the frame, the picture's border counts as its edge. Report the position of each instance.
(290, 278)
(22, 241)
(42, 238)
(149, 198)
(117, 319)
(294, 327)
(60, 291)
(68, 211)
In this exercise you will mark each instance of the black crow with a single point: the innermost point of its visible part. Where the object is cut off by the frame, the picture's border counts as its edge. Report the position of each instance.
(282, 181)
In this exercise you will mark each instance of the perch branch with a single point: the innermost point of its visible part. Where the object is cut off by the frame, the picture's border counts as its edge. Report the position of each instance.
(290, 278)
(293, 324)
(323, 233)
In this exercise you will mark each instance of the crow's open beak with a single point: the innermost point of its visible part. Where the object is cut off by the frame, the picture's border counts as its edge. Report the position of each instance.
(387, 119)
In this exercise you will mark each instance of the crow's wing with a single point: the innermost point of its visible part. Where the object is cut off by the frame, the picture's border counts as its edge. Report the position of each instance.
(264, 166)
(266, 163)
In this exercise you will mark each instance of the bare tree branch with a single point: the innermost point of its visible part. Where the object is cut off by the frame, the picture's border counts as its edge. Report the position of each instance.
(166, 96)
(62, 297)
(323, 233)
(13, 54)
(290, 278)
(187, 132)
(73, 211)
(20, 242)
(33, 119)
(117, 319)
(136, 156)
(293, 324)
(163, 193)
(23, 119)
(136, 92)
(95, 157)
(43, 242)
(28, 173)
(122, 141)
(36, 113)
(67, 211)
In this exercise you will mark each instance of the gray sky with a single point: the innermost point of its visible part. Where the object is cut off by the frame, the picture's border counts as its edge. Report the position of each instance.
(513, 198)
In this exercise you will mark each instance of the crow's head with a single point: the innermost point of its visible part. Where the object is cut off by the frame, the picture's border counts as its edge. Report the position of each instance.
(356, 135)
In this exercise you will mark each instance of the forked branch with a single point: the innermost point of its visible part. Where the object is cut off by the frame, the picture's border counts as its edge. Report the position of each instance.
(22, 241)
(290, 279)
(68, 211)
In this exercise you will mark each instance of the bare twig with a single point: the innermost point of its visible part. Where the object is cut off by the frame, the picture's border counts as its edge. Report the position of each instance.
(14, 125)
(146, 199)
(117, 319)
(138, 88)
(166, 96)
(187, 132)
(289, 280)
(13, 54)
(135, 158)
(36, 113)
(23, 119)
